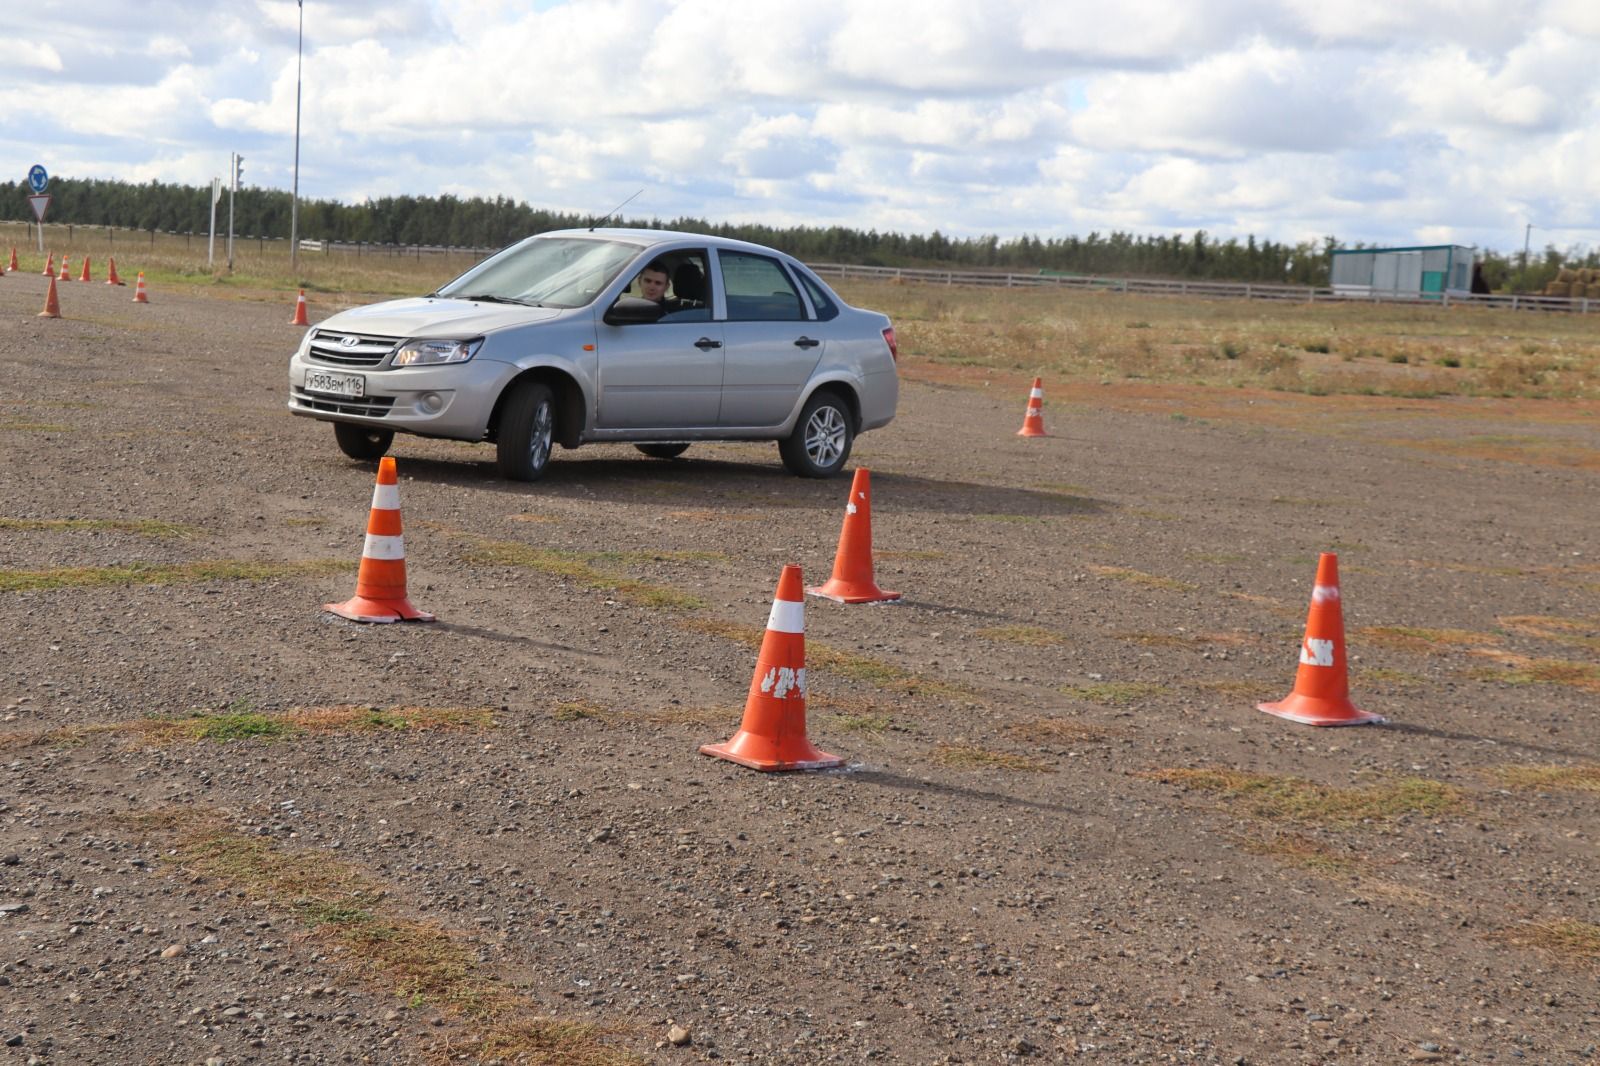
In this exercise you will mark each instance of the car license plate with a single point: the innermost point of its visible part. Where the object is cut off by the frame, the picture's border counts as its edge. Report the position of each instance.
(338, 384)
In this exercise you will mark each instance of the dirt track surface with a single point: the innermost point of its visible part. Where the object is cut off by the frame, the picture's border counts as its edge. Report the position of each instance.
(1010, 868)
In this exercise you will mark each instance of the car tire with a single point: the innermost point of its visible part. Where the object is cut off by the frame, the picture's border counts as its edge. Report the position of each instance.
(822, 437)
(362, 442)
(662, 451)
(527, 432)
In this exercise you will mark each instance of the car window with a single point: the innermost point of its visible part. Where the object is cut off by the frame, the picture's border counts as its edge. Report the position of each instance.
(688, 293)
(757, 289)
(820, 300)
(545, 271)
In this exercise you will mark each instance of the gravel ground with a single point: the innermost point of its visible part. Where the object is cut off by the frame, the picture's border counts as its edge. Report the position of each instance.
(1009, 868)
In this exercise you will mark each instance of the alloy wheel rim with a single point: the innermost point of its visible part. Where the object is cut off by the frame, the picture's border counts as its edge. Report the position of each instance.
(539, 445)
(825, 436)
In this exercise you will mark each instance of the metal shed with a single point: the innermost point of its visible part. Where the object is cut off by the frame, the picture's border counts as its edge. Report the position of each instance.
(1426, 271)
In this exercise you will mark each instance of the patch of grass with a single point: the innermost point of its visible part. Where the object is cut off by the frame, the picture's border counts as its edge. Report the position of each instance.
(1280, 797)
(1566, 938)
(579, 711)
(169, 574)
(143, 527)
(1142, 579)
(1423, 641)
(1319, 347)
(420, 962)
(1056, 730)
(1115, 693)
(1383, 673)
(1578, 633)
(33, 427)
(1552, 778)
(1522, 670)
(579, 567)
(1032, 636)
(870, 724)
(240, 723)
(1294, 849)
(973, 757)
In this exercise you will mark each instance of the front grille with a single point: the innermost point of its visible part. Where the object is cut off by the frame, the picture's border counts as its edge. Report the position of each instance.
(331, 348)
(366, 406)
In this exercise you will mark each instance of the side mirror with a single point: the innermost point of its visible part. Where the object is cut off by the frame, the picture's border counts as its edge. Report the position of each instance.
(632, 311)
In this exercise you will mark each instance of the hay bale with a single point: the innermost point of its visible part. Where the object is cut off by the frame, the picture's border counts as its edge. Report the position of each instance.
(1558, 288)
(1567, 275)
(1580, 290)
(1589, 275)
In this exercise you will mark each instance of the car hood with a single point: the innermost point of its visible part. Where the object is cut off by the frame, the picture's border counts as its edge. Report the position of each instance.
(435, 316)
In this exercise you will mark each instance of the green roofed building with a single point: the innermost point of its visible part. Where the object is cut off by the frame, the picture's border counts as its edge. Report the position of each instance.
(1426, 271)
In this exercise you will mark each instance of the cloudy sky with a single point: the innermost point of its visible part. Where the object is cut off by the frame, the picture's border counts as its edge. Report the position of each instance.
(1374, 120)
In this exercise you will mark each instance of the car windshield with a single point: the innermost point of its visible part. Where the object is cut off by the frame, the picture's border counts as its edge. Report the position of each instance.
(545, 272)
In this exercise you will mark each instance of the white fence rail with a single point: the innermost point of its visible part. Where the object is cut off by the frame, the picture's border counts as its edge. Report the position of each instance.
(1224, 289)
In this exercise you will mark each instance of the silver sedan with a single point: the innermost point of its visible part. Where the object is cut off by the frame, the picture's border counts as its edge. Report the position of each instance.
(656, 338)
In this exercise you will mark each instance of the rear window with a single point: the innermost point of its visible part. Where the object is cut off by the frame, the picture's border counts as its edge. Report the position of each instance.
(820, 299)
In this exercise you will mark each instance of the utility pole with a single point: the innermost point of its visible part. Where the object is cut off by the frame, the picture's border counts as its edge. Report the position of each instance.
(1526, 233)
(235, 169)
(294, 201)
(211, 243)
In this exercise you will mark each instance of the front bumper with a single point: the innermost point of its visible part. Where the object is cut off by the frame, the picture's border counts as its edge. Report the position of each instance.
(436, 401)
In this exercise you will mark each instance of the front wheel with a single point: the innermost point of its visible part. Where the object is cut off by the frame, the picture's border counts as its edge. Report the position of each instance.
(526, 431)
(662, 451)
(821, 440)
(362, 442)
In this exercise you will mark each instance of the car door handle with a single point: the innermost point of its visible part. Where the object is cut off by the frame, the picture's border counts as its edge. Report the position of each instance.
(705, 344)
(806, 342)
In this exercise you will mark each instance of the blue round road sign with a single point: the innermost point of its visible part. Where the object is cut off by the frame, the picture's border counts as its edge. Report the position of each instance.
(38, 179)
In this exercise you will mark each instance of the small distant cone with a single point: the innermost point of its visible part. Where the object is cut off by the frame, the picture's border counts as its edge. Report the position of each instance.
(299, 318)
(852, 580)
(1321, 693)
(85, 275)
(66, 275)
(773, 733)
(111, 272)
(381, 582)
(50, 266)
(1033, 420)
(52, 305)
(138, 291)
(13, 266)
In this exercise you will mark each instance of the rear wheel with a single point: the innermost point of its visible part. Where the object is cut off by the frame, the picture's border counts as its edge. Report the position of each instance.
(821, 440)
(662, 451)
(527, 429)
(362, 442)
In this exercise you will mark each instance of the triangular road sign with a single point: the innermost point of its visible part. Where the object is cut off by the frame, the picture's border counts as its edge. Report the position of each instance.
(39, 203)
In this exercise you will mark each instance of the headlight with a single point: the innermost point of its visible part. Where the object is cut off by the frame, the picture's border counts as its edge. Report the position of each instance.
(432, 353)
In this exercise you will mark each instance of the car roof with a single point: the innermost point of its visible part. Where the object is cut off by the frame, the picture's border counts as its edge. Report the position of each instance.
(651, 237)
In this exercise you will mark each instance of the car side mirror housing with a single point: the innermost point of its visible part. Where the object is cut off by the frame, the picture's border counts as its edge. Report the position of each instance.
(633, 310)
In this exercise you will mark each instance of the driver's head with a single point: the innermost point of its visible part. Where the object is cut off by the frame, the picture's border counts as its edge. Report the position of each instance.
(653, 283)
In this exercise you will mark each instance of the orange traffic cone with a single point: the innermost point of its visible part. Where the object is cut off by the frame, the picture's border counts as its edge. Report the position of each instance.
(85, 275)
(13, 266)
(773, 733)
(138, 291)
(1033, 420)
(52, 305)
(381, 582)
(66, 275)
(852, 580)
(50, 266)
(1321, 693)
(299, 318)
(111, 272)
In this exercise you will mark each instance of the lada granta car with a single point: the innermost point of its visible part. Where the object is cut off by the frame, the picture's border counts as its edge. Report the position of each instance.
(655, 338)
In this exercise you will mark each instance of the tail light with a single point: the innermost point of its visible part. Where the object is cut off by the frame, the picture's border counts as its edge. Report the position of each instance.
(888, 338)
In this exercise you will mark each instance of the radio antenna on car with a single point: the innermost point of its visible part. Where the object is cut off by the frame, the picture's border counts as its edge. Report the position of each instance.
(614, 211)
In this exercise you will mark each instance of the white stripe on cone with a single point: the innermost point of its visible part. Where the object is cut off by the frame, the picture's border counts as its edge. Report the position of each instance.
(386, 497)
(1036, 394)
(788, 616)
(378, 547)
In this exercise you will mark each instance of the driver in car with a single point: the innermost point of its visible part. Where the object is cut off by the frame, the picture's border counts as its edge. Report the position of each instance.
(652, 282)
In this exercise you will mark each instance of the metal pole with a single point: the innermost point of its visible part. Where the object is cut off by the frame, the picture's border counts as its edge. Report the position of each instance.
(233, 185)
(294, 201)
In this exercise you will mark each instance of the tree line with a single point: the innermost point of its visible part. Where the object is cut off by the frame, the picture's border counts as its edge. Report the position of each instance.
(491, 223)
